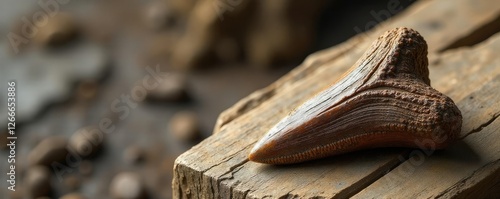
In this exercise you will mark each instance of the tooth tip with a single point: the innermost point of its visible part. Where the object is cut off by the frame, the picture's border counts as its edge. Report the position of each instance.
(254, 155)
(251, 157)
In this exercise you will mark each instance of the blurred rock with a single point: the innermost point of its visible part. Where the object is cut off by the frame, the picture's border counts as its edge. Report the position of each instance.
(159, 15)
(127, 185)
(87, 89)
(87, 141)
(71, 182)
(269, 32)
(20, 193)
(37, 182)
(133, 155)
(182, 7)
(173, 88)
(285, 36)
(113, 116)
(49, 150)
(185, 126)
(86, 168)
(3, 139)
(60, 29)
(46, 77)
(73, 196)
(159, 48)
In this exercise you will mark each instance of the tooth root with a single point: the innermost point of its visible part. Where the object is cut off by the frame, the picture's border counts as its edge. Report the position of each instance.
(385, 100)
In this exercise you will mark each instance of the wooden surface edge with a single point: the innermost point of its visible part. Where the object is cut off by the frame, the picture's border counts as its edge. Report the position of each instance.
(186, 176)
(313, 61)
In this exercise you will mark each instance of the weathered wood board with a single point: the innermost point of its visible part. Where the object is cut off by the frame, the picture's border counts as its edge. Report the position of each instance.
(470, 168)
(218, 166)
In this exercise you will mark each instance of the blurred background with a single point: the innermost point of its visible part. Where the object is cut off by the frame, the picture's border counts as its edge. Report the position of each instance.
(109, 93)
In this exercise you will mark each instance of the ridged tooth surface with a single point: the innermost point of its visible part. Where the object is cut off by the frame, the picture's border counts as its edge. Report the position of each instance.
(385, 100)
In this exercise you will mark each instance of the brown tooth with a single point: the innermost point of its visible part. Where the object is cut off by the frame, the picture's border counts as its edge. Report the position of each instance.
(385, 100)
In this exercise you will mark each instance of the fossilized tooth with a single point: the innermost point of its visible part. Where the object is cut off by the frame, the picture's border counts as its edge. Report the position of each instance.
(384, 100)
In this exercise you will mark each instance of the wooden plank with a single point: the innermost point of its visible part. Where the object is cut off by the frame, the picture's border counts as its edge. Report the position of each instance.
(223, 169)
(442, 23)
(469, 167)
(457, 170)
(481, 69)
(218, 166)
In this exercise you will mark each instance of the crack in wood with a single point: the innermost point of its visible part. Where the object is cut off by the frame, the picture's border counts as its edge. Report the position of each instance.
(479, 68)
(228, 158)
(371, 178)
(464, 181)
(480, 127)
(232, 170)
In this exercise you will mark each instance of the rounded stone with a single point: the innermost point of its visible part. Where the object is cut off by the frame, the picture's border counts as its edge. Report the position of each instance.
(59, 29)
(73, 196)
(37, 181)
(71, 182)
(171, 88)
(49, 150)
(127, 185)
(133, 155)
(159, 15)
(86, 168)
(87, 141)
(87, 89)
(185, 126)
(3, 139)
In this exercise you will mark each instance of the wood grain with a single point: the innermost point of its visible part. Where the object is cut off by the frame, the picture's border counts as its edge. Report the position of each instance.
(459, 168)
(430, 18)
(218, 166)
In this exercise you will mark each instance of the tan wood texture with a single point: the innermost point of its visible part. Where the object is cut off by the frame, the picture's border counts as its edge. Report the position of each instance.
(470, 75)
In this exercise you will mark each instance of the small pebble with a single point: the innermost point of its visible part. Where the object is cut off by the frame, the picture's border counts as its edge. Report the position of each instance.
(159, 16)
(49, 150)
(87, 89)
(185, 126)
(127, 185)
(173, 88)
(18, 194)
(133, 155)
(37, 181)
(111, 116)
(86, 168)
(73, 196)
(87, 141)
(3, 140)
(71, 182)
(60, 29)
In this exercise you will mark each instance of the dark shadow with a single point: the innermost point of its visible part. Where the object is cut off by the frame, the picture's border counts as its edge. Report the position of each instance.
(343, 160)
(477, 36)
(459, 152)
(343, 19)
